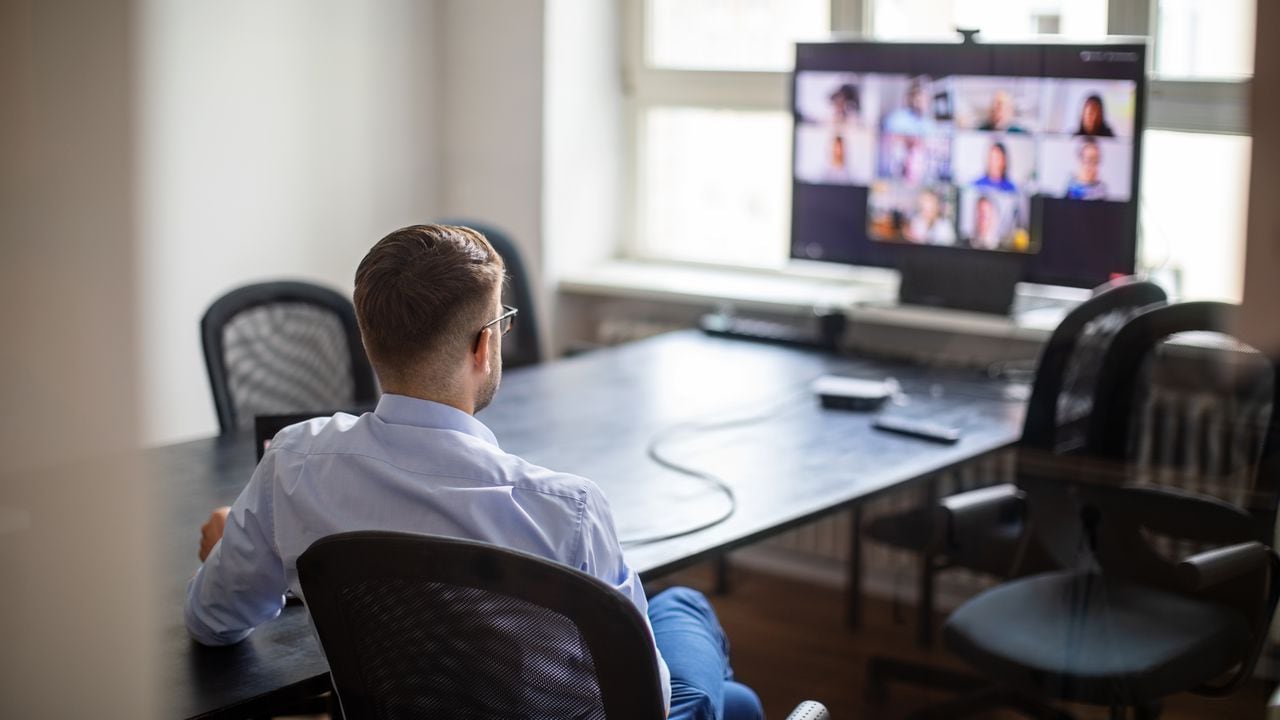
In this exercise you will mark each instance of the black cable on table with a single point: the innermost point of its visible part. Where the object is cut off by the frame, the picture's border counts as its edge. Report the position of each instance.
(654, 452)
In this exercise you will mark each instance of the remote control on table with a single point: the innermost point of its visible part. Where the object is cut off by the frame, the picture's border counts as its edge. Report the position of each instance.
(918, 428)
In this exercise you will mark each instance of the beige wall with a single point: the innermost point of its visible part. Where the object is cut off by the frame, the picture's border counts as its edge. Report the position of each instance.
(76, 610)
(1262, 252)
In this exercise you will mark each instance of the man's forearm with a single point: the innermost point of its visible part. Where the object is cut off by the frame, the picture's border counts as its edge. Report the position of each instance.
(202, 628)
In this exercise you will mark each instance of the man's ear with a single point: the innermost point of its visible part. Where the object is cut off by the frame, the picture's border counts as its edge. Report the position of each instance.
(480, 353)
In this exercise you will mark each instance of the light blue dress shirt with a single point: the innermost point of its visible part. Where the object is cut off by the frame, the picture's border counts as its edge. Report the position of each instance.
(411, 466)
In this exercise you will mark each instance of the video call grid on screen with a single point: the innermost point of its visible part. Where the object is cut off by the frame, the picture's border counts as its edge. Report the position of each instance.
(1027, 149)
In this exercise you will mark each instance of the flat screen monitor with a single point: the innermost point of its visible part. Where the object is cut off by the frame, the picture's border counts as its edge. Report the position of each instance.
(1030, 150)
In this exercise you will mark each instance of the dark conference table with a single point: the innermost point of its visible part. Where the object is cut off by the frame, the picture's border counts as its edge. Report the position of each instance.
(759, 428)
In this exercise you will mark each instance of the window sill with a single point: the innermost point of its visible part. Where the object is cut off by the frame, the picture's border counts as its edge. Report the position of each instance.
(866, 296)
(751, 289)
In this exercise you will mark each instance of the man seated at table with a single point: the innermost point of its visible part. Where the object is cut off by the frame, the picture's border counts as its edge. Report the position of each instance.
(427, 299)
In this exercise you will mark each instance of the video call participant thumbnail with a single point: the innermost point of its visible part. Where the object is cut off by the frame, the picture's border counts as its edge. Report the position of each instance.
(995, 221)
(986, 224)
(846, 104)
(1002, 115)
(913, 117)
(997, 173)
(932, 223)
(1093, 119)
(1086, 183)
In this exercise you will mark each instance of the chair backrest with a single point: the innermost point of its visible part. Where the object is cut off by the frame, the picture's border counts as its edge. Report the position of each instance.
(1062, 392)
(1120, 507)
(1183, 457)
(1222, 441)
(524, 345)
(281, 348)
(1139, 511)
(1058, 414)
(420, 626)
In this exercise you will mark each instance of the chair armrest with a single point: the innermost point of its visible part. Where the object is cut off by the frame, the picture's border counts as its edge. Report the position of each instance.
(1212, 567)
(967, 514)
(810, 710)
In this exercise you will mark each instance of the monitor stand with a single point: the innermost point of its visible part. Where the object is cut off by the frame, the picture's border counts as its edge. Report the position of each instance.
(959, 278)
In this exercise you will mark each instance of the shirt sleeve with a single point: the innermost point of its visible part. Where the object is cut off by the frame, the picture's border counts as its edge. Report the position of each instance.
(242, 582)
(602, 558)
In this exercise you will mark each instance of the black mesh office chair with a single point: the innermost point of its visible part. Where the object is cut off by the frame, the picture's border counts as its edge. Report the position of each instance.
(1173, 505)
(279, 348)
(523, 345)
(418, 626)
(1057, 412)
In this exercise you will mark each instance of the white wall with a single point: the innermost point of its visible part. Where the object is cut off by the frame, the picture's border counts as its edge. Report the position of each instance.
(491, 115)
(276, 139)
(282, 139)
(583, 145)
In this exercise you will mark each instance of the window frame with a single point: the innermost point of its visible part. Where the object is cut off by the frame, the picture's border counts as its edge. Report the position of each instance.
(1217, 106)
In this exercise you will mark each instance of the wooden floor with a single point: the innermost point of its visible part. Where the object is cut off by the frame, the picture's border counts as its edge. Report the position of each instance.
(790, 644)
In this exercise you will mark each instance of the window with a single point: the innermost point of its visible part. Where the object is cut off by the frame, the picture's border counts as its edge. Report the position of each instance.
(725, 181)
(1192, 211)
(731, 34)
(1005, 20)
(1204, 38)
(712, 133)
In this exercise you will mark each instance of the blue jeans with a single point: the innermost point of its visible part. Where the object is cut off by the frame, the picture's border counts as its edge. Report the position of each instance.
(697, 654)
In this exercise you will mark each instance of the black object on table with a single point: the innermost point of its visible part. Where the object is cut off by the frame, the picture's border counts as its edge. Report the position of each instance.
(594, 415)
(824, 331)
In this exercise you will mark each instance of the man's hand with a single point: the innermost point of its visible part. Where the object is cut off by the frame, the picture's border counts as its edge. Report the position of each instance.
(211, 531)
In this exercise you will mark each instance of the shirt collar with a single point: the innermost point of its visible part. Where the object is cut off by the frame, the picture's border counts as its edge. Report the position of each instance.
(405, 410)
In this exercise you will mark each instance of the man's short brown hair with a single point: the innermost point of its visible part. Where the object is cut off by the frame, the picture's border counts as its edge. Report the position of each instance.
(423, 292)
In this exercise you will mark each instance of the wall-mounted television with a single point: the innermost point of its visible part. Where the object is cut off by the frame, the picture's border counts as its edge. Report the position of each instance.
(1030, 151)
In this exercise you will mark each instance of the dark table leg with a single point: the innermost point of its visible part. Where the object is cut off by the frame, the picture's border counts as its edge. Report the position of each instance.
(722, 574)
(853, 602)
(928, 569)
